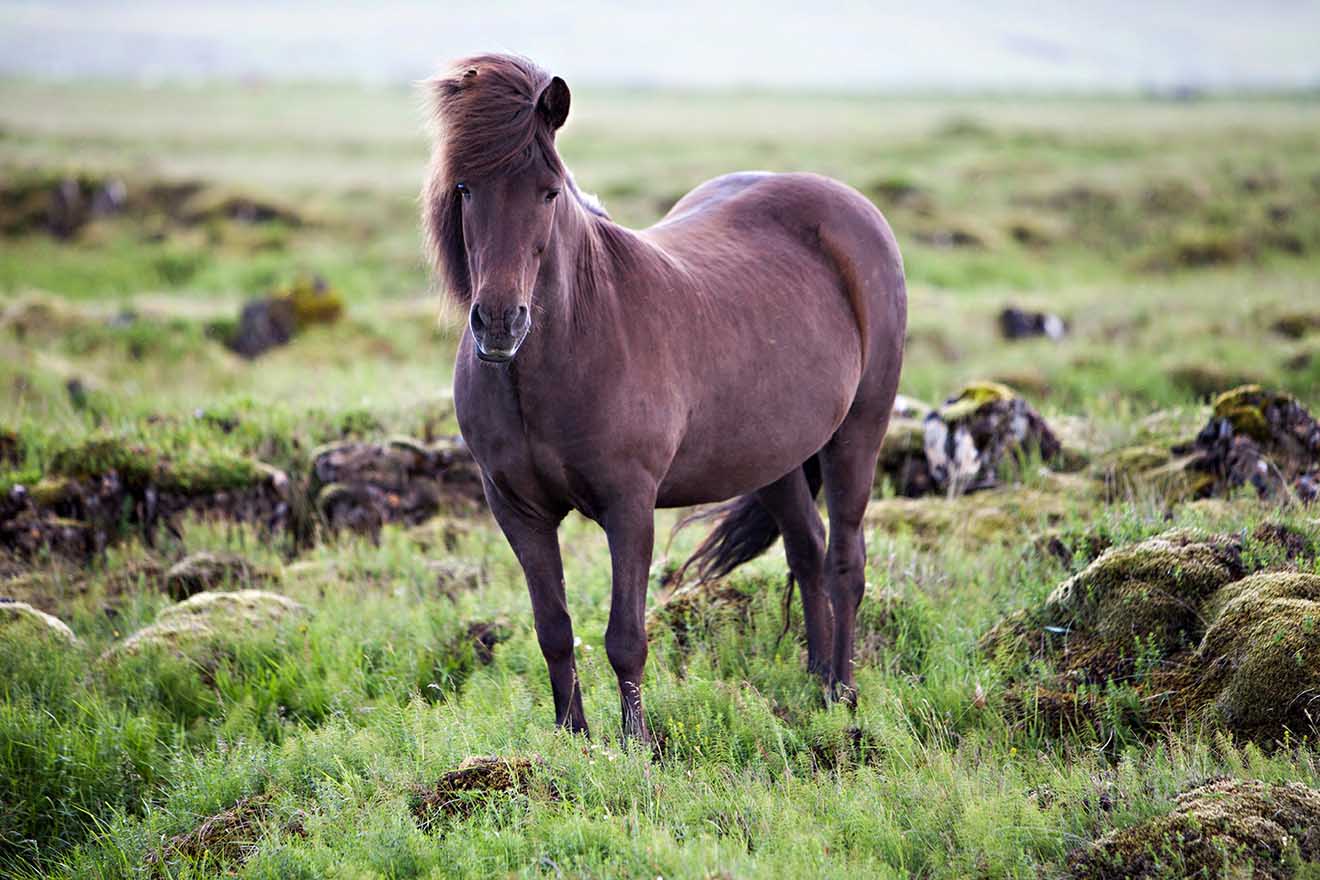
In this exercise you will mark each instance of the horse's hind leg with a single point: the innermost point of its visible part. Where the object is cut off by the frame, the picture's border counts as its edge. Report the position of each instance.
(790, 503)
(848, 470)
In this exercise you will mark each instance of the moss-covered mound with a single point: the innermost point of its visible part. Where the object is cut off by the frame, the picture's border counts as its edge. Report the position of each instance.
(1225, 828)
(1260, 658)
(20, 622)
(229, 837)
(1174, 619)
(200, 626)
(968, 443)
(91, 490)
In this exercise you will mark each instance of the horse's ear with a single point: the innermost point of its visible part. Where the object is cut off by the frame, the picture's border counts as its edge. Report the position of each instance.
(553, 103)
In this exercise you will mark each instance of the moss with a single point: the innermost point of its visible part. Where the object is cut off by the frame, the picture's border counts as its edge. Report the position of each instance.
(1227, 827)
(19, 621)
(313, 301)
(139, 466)
(971, 398)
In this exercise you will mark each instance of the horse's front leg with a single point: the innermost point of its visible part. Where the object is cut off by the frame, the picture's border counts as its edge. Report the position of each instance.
(536, 544)
(630, 529)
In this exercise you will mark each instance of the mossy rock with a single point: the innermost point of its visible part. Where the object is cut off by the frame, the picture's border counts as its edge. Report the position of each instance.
(1262, 653)
(1296, 325)
(139, 466)
(312, 301)
(702, 606)
(199, 625)
(1224, 828)
(1245, 408)
(20, 622)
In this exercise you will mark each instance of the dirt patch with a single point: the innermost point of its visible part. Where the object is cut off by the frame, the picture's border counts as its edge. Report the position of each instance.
(484, 635)
(229, 837)
(970, 442)
(1205, 381)
(1226, 827)
(363, 486)
(699, 608)
(480, 780)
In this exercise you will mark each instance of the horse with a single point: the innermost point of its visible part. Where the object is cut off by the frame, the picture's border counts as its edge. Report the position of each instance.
(745, 349)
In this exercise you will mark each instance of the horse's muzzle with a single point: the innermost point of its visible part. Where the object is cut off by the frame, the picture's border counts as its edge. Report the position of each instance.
(498, 338)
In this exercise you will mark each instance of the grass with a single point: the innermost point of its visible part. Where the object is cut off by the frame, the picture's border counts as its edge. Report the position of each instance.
(1172, 237)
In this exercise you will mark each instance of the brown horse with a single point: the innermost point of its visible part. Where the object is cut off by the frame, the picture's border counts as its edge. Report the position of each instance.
(747, 346)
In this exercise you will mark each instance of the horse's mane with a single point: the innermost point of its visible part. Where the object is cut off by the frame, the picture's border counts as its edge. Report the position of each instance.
(483, 112)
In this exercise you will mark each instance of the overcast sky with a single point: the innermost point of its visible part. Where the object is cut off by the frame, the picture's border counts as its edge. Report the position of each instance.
(865, 46)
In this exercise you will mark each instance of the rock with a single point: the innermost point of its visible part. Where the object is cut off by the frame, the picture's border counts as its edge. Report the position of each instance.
(362, 486)
(1261, 438)
(975, 431)
(205, 571)
(20, 621)
(1226, 827)
(196, 626)
(229, 837)
(960, 446)
(1015, 323)
(475, 781)
(274, 320)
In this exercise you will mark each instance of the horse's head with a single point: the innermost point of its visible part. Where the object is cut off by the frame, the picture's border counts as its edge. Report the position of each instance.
(493, 192)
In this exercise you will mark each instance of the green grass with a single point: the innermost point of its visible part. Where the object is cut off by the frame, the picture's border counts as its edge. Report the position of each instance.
(1170, 236)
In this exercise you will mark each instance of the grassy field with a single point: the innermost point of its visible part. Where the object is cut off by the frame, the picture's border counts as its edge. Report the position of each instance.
(1179, 240)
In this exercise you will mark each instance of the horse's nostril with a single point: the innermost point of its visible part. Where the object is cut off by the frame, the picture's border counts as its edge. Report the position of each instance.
(519, 320)
(477, 320)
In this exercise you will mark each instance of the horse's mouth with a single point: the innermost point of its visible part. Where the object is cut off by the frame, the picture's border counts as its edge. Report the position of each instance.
(496, 355)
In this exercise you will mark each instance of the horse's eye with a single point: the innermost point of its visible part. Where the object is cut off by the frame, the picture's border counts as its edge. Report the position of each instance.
(463, 190)
(551, 195)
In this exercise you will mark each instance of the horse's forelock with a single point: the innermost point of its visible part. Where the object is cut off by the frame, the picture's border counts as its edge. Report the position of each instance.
(485, 119)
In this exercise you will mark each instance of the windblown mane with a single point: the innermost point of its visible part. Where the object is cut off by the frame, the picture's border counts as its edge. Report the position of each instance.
(485, 122)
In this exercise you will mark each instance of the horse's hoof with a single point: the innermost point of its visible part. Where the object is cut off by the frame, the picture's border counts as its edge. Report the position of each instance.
(845, 694)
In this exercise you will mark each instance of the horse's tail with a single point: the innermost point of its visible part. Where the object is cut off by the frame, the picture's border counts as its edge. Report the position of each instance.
(743, 531)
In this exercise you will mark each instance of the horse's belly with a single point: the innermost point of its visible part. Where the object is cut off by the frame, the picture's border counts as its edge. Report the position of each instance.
(727, 457)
